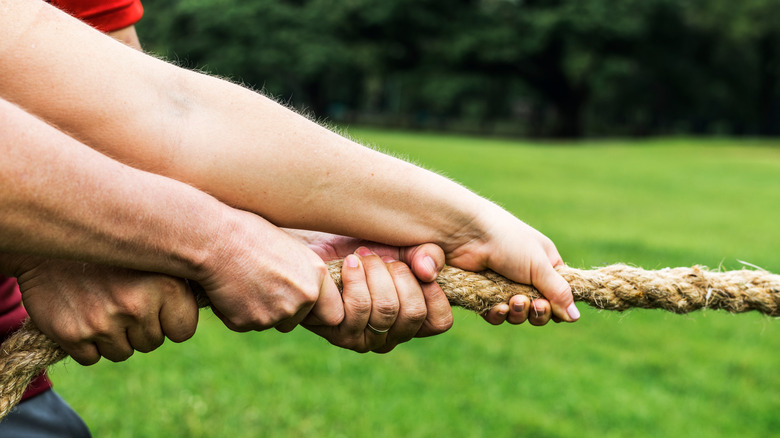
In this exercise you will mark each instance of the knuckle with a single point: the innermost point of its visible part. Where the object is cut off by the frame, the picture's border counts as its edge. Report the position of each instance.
(131, 307)
(69, 334)
(306, 297)
(259, 318)
(415, 314)
(358, 306)
(244, 324)
(398, 269)
(442, 323)
(96, 325)
(284, 311)
(386, 307)
(170, 285)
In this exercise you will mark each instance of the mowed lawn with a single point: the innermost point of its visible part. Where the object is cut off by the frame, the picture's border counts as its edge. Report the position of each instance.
(642, 373)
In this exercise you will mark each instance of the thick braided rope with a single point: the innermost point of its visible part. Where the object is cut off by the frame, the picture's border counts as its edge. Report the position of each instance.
(618, 287)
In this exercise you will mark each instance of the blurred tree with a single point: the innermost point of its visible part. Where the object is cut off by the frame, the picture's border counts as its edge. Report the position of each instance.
(553, 67)
(748, 50)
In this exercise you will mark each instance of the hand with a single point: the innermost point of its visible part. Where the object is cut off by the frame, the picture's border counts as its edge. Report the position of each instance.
(518, 310)
(93, 311)
(258, 277)
(425, 260)
(505, 244)
(385, 305)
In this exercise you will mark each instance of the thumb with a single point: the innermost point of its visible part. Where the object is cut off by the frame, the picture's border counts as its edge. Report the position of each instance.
(426, 260)
(557, 291)
(329, 308)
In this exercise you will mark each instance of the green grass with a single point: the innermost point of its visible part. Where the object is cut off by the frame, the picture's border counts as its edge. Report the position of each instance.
(642, 373)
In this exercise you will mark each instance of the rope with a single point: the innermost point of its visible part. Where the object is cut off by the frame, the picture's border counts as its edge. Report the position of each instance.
(618, 287)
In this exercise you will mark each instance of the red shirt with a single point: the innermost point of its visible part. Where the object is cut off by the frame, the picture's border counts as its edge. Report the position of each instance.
(12, 315)
(104, 15)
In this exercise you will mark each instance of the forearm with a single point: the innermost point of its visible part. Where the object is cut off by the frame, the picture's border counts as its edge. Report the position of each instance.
(239, 146)
(61, 199)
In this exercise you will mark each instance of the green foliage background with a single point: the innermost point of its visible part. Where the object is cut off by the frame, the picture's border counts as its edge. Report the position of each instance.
(642, 373)
(535, 67)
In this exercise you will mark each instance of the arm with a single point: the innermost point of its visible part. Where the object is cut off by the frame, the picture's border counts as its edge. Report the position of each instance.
(221, 138)
(62, 199)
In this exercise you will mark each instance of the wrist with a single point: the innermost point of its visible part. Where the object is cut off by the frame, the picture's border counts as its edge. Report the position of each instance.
(471, 224)
(471, 246)
(14, 265)
(212, 243)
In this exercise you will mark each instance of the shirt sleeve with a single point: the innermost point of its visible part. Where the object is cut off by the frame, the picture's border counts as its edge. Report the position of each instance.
(104, 15)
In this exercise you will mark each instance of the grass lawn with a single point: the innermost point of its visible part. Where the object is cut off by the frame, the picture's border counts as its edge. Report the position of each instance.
(642, 373)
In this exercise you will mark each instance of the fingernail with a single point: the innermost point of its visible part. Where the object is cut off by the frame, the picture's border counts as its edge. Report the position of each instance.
(429, 264)
(573, 312)
(538, 308)
(503, 309)
(388, 259)
(351, 261)
(363, 251)
(519, 307)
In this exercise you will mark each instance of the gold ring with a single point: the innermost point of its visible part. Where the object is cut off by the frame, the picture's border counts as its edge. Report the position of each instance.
(376, 331)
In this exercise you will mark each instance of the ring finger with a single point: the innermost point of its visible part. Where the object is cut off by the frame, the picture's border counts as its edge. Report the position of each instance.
(384, 301)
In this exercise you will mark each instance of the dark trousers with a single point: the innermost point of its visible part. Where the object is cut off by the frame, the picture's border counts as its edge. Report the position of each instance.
(46, 415)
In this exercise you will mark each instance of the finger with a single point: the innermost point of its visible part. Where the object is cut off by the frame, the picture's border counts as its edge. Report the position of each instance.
(411, 303)
(75, 339)
(388, 347)
(384, 298)
(225, 320)
(289, 324)
(357, 297)
(519, 306)
(179, 314)
(539, 313)
(356, 300)
(83, 353)
(556, 290)
(145, 336)
(351, 333)
(329, 308)
(426, 260)
(439, 318)
(497, 315)
(115, 348)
